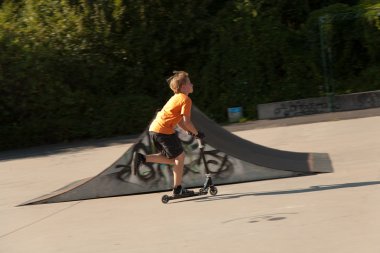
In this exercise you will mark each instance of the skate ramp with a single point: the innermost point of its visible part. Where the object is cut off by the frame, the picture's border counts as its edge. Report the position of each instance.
(230, 159)
(253, 153)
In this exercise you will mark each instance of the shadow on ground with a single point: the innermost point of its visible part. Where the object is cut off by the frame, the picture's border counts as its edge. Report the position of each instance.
(316, 188)
(55, 149)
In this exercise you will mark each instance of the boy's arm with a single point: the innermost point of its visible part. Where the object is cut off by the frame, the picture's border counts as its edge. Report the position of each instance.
(187, 125)
(182, 125)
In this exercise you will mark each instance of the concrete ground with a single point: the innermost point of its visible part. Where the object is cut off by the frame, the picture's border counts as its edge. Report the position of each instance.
(336, 212)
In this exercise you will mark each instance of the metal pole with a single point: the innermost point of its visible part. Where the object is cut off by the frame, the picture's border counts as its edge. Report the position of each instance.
(325, 65)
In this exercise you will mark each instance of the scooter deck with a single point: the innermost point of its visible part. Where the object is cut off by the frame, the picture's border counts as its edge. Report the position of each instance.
(166, 198)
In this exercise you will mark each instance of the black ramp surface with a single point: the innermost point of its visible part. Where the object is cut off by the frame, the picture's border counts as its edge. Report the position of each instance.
(233, 145)
(230, 158)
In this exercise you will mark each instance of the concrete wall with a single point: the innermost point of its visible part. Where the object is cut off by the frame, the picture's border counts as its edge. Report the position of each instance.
(355, 101)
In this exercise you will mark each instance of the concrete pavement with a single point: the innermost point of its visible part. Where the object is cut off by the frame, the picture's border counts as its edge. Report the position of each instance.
(335, 212)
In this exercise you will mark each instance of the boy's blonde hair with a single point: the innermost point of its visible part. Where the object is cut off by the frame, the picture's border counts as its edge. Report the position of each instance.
(177, 80)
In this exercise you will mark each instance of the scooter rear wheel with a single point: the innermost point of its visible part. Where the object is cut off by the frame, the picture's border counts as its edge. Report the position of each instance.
(165, 199)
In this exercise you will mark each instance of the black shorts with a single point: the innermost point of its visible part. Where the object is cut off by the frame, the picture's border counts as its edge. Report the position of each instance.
(168, 145)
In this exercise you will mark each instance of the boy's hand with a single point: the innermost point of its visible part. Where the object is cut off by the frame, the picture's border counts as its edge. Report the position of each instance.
(200, 135)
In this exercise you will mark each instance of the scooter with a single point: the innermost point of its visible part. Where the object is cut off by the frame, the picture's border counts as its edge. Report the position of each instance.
(208, 186)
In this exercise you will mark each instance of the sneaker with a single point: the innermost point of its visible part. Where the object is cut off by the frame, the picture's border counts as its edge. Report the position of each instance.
(137, 160)
(179, 190)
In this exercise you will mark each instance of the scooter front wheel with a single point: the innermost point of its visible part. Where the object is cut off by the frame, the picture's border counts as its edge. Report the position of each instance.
(213, 190)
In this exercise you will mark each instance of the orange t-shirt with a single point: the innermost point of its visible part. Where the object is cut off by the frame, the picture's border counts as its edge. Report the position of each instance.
(171, 114)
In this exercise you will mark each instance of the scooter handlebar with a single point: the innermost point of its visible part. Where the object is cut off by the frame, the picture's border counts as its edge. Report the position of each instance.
(199, 138)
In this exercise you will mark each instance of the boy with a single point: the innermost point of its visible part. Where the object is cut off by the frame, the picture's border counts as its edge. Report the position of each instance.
(177, 111)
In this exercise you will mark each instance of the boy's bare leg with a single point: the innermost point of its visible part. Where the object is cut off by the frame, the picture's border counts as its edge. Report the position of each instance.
(159, 158)
(178, 163)
(178, 169)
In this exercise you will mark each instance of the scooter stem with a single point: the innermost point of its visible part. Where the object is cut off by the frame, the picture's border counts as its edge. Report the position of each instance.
(201, 144)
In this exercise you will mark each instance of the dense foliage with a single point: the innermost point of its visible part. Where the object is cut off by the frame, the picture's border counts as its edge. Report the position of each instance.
(75, 69)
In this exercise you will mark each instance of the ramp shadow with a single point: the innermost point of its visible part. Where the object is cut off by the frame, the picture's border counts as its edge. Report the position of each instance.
(316, 188)
(60, 148)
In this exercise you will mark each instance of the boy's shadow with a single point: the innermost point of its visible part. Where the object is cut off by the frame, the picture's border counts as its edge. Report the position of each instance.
(316, 188)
